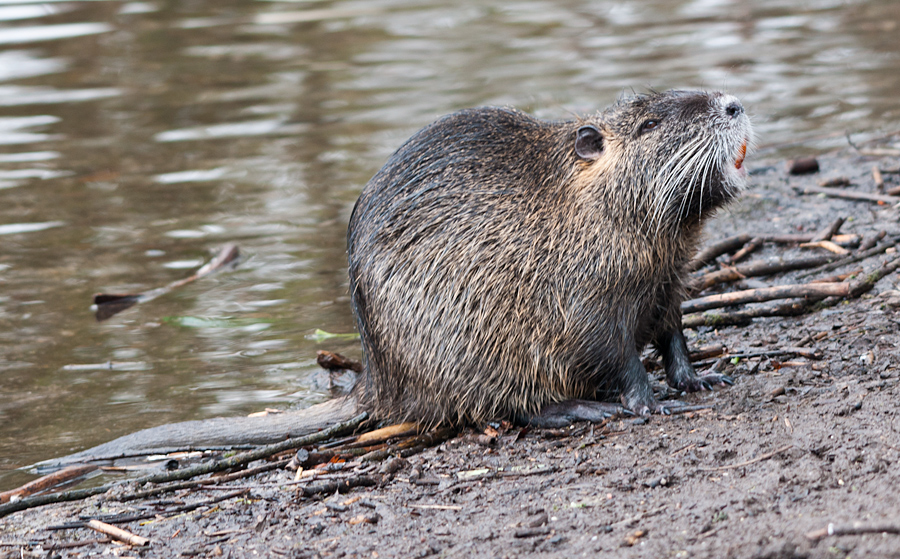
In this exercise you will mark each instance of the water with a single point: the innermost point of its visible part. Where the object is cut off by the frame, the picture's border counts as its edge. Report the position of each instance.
(136, 138)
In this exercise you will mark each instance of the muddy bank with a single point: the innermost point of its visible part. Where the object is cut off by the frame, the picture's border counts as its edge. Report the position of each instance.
(797, 443)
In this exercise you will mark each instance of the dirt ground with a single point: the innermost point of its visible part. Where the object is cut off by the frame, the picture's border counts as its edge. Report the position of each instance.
(797, 443)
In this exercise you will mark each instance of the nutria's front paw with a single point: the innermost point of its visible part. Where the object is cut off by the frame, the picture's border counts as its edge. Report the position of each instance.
(703, 382)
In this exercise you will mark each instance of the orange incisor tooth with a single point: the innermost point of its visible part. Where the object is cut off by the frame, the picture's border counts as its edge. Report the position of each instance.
(740, 159)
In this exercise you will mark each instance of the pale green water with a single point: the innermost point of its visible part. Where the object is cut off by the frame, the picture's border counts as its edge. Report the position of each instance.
(138, 137)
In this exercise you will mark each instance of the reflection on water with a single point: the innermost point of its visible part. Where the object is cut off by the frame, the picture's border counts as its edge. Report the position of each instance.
(138, 137)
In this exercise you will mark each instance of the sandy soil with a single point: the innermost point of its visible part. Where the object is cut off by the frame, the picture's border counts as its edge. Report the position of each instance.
(797, 443)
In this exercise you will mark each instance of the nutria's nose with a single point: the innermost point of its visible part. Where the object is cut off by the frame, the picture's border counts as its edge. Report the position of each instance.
(734, 109)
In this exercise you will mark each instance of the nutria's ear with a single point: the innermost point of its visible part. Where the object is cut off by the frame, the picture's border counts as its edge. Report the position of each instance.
(588, 143)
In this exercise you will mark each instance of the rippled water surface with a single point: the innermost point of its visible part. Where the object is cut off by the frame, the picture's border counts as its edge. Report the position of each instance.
(137, 138)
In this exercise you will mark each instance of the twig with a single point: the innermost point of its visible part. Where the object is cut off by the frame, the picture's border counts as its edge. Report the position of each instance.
(761, 268)
(765, 294)
(879, 180)
(746, 316)
(715, 250)
(410, 446)
(81, 543)
(187, 473)
(861, 255)
(859, 287)
(871, 241)
(751, 246)
(847, 194)
(207, 481)
(706, 352)
(765, 456)
(47, 482)
(134, 517)
(837, 278)
(829, 231)
(383, 434)
(854, 529)
(827, 245)
(110, 304)
(436, 507)
(117, 533)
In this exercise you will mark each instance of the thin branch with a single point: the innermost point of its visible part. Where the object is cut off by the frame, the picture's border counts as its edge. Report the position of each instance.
(848, 194)
(717, 249)
(855, 529)
(862, 255)
(110, 304)
(761, 268)
(746, 316)
(829, 231)
(766, 294)
(206, 481)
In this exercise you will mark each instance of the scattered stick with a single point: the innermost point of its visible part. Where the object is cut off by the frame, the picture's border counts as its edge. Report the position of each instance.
(829, 231)
(47, 482)
(199, 482)
(187, 473)
(117, 533)
(855, 529)
(859, 287)
(110, 304)
(715, 250)
(410, 446)
(872, 241)
(827, 245)
(847, 194)
(134, 517)
(751, 246)
(837, 278)
(766, 294)
(761, 268)
(385, 433)
(81, 543)
(744, 317)
(812, 292)
(436, 507)
(879, 180)
(861, 255)
(707, 352)
(765, 456)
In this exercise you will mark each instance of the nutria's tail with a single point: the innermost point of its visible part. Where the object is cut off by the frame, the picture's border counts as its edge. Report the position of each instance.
(220, 432)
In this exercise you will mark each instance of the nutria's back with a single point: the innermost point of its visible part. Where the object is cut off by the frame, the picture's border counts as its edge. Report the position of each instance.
(500, 263)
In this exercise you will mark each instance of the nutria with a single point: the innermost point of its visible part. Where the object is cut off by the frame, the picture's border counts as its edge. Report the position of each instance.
(507, 267)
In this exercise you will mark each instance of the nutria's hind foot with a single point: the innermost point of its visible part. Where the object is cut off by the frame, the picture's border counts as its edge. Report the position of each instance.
(698, 383)
(566, 413)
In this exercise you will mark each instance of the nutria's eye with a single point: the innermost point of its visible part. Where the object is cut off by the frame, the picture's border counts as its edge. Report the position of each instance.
(649, 125)
(588, 143)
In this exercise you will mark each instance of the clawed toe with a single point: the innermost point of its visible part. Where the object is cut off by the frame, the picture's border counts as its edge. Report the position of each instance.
(705, 382)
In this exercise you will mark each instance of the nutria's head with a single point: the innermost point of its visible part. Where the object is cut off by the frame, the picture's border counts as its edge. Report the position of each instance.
(681, 153)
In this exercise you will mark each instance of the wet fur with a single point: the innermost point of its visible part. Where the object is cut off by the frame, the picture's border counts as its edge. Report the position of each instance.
(493, 271)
